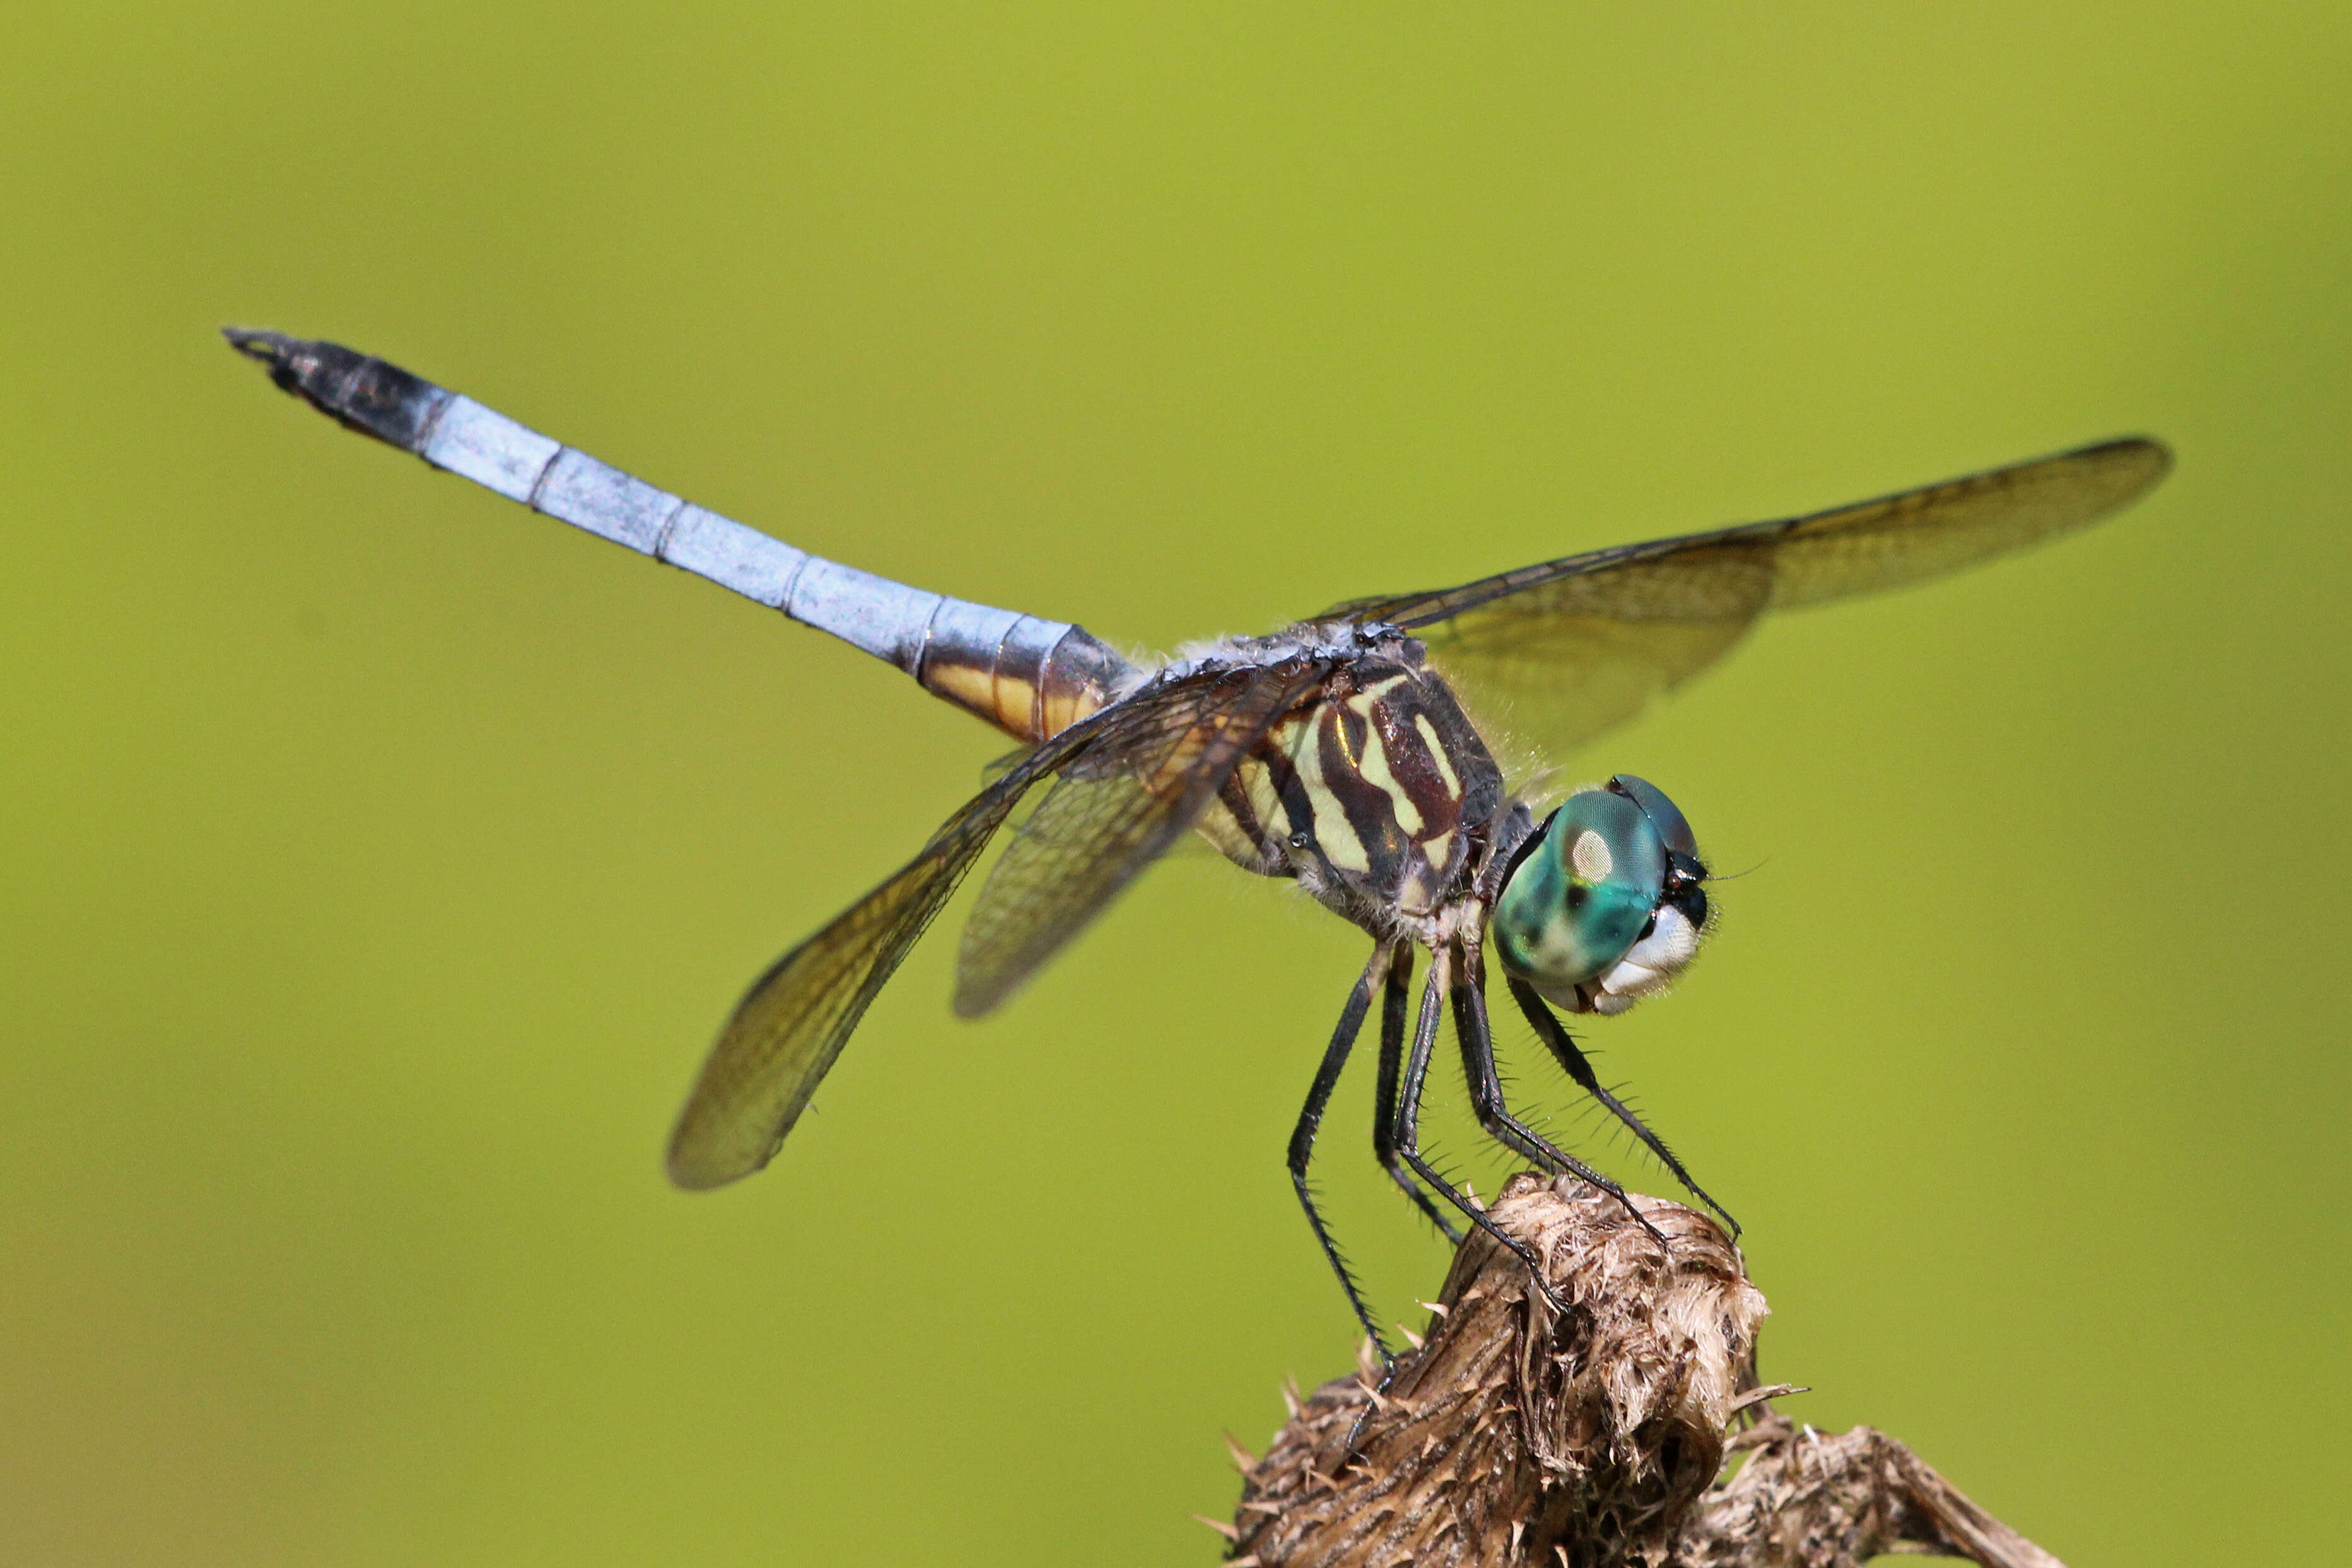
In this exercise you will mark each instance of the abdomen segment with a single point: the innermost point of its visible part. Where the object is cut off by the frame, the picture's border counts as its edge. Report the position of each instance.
(1030, 678)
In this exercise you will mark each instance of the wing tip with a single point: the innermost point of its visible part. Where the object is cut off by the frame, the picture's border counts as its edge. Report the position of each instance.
(701, 1158)
(2146, 459)
(694, 1169)
(972, 1000)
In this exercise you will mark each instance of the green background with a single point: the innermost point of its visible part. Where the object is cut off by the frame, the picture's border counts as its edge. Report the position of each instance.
(382, 858)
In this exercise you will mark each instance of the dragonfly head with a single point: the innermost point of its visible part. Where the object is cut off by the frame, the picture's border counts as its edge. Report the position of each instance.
(1606, 906)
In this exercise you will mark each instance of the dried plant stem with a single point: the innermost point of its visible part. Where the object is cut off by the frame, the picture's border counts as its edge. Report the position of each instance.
(1517, 1436)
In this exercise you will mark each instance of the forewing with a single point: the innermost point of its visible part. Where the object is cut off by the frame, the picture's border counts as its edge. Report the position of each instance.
(1556, 663)
(1113, 811)
(791, 1024)
(1563, 649)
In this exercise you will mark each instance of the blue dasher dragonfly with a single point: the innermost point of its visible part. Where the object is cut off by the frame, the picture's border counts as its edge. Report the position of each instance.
(1338, 751)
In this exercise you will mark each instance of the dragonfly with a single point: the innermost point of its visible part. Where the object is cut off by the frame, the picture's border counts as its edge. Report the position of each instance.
(1341, 753)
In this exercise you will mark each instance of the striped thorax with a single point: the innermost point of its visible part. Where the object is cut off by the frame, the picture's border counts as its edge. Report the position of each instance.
(1377, 795)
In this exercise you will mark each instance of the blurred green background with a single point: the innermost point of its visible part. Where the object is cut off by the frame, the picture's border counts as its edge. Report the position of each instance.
(383, 857)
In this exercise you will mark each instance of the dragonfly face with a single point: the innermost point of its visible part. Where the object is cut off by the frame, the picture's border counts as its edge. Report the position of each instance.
(1333, 753)
(1605, 905)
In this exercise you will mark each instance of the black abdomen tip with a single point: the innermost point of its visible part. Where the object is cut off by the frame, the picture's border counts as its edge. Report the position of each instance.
(373, 397)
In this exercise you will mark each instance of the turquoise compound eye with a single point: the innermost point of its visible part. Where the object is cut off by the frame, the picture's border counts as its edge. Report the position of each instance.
(1664, 815)
(1582, 897)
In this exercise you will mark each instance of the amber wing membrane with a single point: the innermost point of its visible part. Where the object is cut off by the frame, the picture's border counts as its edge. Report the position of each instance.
(1110, 813)
(791, 1027)
(1562, 650)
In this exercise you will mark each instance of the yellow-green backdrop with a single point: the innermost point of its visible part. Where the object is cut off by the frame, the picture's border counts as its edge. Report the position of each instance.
(381, 858)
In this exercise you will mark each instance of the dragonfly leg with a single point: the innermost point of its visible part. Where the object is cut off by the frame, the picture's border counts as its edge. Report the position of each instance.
(1407, 1132)
(1477, 1039)
(1311, 1120)
(1396, 1000)
(1564, 1048)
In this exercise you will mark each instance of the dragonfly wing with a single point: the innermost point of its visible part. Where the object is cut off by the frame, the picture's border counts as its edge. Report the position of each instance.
(1558, 663)
(1113, 811)
(791, 1025)
(1566, 648)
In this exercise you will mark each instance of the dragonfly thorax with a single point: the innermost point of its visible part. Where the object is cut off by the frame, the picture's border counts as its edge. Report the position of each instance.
(1377, 795)
(1604, 906)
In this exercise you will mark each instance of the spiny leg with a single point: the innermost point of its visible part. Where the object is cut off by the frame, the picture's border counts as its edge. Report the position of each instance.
(1396, 998)
(1478, 1039)
(1310, 1119)
(1407, 1134)
(1564, 1048)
